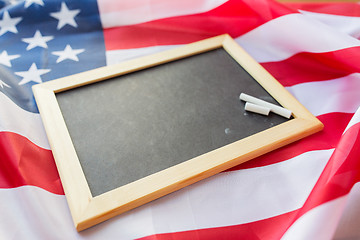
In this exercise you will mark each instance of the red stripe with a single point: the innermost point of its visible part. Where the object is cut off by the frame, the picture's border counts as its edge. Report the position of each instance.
(334, 125)
(307, 67)
(341, 172)
(233, 17)
(271, 229)
(24, 163)
(339, 8)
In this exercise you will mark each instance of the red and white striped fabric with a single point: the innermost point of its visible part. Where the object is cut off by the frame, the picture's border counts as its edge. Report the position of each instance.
(306, 190)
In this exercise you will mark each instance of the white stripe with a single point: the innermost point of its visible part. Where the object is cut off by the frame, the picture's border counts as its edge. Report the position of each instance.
(228, 198)
(348, 226)
(273, 41)
(117, 56)
(121, 13)
(331, 220)
(344, 24)
(337, 95)
(319, 223)
(17, 120)
(290, 34)
(32, 213)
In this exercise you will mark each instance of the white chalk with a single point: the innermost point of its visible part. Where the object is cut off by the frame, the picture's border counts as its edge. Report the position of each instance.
(257, 108)
(273, 108)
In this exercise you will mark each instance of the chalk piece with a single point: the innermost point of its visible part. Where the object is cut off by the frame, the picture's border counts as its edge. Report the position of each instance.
(273, 108)
(257, 109)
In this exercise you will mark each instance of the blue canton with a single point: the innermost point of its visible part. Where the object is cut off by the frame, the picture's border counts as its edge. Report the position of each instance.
(44, 40)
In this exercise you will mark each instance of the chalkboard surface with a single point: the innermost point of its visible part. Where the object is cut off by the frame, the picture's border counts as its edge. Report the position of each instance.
(137, 124)
(127, 134)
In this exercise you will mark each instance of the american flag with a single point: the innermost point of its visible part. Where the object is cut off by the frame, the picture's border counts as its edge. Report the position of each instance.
(306, 190)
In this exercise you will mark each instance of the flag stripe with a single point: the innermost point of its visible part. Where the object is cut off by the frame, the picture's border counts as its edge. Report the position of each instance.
(24, 163)
(138, 11)
(279, 50)
(309, 67)
(339, 176)
(306, 227)
(328, 214)
(277, 46)
(340, 8)
(271, 229)
(233, 17)
(198, 200)
(343, 164)
(344, 24)
(355, 119)
(118, 56)
(348, 226)
(32, 213)
(337, 95)
(17, 120)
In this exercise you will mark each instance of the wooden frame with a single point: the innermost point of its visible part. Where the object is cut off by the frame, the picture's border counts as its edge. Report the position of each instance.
(88, 210)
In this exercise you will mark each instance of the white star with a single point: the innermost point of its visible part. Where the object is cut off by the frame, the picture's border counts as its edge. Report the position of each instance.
(5, 58)
(2, 84)
(8, 24)
(65, 16)
(68, 53)
(29, 2)
(33, 74)
(37, 41)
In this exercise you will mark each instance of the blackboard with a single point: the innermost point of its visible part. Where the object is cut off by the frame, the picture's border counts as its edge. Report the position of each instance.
(127, 134)
(156, 118)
